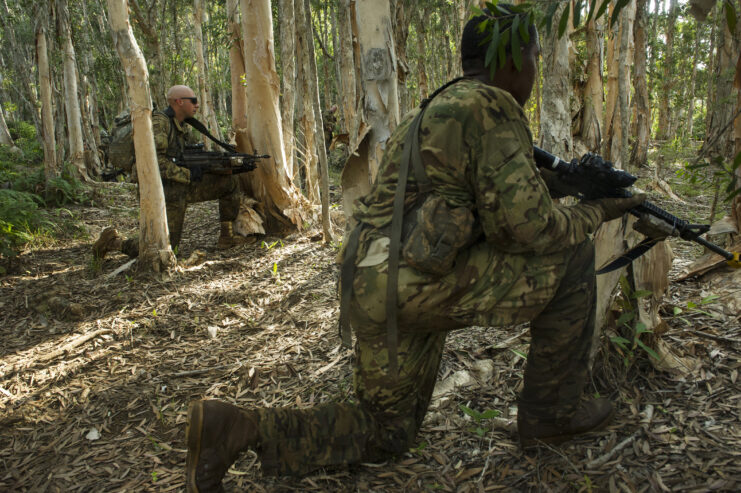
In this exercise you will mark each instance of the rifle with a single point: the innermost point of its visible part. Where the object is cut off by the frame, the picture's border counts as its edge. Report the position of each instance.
(217, 162)
(595, 179)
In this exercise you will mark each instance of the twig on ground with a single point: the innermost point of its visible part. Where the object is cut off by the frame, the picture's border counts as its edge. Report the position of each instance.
(71, 345)
(617, 448)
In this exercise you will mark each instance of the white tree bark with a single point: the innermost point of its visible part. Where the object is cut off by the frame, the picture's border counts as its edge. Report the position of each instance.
(72, 101)
(204, 94)
(313, 79)
(371, 23)
(284, 207)
(154, 245)
(555, 113)
(348, 100)
(307, 120)
(47, 111)
(4, 133)
(288, 66)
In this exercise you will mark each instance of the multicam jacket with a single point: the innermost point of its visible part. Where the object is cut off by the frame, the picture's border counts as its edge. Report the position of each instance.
(477, 151)
(169, 140)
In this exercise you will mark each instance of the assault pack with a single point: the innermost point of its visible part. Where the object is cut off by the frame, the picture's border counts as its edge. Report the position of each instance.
(121, 147)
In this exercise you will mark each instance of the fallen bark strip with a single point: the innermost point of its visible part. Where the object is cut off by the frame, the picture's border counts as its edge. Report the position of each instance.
(617, 448)
(193, 373)
(71, 345)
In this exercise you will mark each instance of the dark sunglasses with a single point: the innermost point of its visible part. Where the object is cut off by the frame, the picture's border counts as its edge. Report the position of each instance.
(192, 100)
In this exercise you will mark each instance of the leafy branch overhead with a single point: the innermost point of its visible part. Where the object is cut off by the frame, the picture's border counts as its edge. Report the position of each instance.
(508, 29)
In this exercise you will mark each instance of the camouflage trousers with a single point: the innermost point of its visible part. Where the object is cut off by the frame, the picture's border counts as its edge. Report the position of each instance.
(178, 196)
(555, 292)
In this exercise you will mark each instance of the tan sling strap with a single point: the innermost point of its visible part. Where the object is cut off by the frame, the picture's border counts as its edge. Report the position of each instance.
(410, 153)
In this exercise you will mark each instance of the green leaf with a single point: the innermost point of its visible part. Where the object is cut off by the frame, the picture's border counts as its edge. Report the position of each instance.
(489, 414)
(476, 12)
(602, 9)
(691, 305)
(519, 353)
(471, 412)
(550, 13)
(516, 52)
(620, 341)
(524, 30)
(737, 161)
(730, 15)
(491, 52)
(709, 299)
(592, 6)
(625, 317)
(503, 47)
(616, 11)
(650, 351)
(577, 13)
(564, 20)
(677, 311)
(641, 293)
(480, 431)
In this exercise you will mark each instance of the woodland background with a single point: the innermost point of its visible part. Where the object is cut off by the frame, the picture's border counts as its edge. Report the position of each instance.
(88, 354)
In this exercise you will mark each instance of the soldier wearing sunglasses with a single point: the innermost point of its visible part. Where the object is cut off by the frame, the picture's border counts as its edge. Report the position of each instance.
(182, 185)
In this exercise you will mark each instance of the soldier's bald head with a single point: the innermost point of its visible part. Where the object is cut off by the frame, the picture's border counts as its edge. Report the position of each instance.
(179, 91)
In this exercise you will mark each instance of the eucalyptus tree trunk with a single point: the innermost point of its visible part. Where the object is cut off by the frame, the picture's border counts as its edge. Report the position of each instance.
(288, 65)
(377, 62)
(5, 138)
(421, 55)
(591, 126)
(47, 113)
(307, 120)
(155, 253)
(736, 203)
(620, 146)
(401, 32)
(91, 124)
(282, 205)
(612, 88)
(668, 83)
(722, 110)
(693, 84)
(160, 77)
(204, 92)
(555, 113)
(639, 156)
(72, 101)
(348, 100)
(312, 77)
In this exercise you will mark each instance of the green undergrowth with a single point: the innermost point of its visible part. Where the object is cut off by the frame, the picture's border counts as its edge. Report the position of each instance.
(34, 212)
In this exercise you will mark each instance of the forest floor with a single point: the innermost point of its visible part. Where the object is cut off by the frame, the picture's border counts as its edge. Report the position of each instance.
(97, 370)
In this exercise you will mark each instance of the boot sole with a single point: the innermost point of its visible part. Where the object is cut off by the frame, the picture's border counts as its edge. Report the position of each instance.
(193, 432)
(530, 442)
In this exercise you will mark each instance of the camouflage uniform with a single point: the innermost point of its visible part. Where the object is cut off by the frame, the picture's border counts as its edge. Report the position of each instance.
(532, 260)
(170, 141)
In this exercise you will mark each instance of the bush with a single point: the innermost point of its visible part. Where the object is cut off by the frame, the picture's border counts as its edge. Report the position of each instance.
(20, 219)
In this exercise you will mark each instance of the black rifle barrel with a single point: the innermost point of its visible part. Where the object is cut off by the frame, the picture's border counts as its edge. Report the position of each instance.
(687, 231)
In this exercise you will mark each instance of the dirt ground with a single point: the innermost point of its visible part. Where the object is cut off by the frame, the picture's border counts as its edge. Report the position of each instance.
(96, 372)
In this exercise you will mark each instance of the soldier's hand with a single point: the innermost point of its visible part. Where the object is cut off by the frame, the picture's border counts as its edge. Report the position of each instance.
(196, 172)
(615, 208)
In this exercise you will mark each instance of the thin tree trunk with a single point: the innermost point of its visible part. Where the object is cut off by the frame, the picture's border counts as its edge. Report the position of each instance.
(47, 111)
(639, 156)
(288, 65)
(283, 206)
(612, 88)
(5, 138)
(555, 116)
(591, 130)
(307, 122)
(154, 245)
(668, 82)
(627, 17)
(347, 70)
(206, 103)
(313, 79)
(693, 83)
(421, 56)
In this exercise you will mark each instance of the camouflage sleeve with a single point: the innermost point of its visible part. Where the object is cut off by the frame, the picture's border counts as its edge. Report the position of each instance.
(515, 208)
(168, 169)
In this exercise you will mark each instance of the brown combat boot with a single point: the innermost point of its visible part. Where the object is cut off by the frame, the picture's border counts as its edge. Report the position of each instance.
(216, 432)
(108, 241)
(589, 416)
(228, 239)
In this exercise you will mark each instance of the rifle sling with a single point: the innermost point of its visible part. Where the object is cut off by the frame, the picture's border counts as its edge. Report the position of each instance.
(202, 128)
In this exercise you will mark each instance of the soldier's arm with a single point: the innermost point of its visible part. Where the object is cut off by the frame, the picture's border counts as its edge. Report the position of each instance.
(168, 169)
(514, 204)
